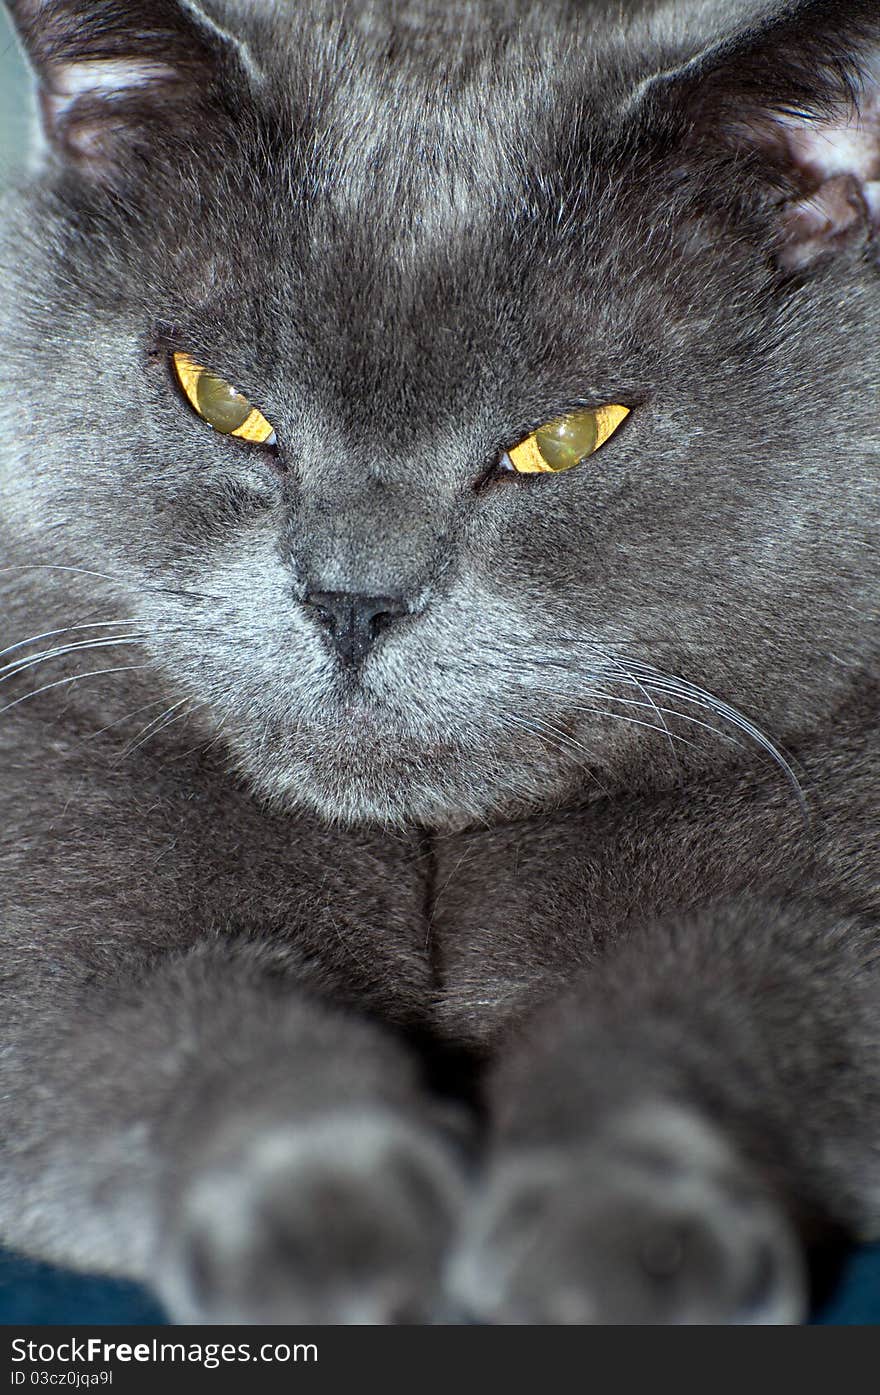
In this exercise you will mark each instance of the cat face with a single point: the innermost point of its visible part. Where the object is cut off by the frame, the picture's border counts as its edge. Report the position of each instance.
(409, 254)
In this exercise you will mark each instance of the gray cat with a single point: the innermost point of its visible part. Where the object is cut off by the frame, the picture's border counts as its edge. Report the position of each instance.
(432, 890)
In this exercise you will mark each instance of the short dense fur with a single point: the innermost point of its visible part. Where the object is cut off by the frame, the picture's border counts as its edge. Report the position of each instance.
(525, 971)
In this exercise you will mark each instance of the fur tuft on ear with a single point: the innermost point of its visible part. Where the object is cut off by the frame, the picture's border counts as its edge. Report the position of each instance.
(800, 89)
(111, 70)
(837, 160)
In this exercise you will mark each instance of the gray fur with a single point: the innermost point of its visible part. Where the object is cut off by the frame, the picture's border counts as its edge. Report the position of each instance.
(588, 839)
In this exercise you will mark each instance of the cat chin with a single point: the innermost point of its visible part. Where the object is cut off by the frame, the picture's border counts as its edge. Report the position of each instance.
(446, 798)
(364, 801)
(370, 771)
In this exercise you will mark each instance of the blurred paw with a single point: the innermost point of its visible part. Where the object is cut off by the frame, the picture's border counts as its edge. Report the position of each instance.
(345, 1219)
(654, 1221)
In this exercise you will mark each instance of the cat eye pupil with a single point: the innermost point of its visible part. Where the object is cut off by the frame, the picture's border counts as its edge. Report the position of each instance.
(565, 442)
(220, 404)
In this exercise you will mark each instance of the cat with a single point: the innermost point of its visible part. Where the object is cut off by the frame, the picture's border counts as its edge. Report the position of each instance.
(432, 890)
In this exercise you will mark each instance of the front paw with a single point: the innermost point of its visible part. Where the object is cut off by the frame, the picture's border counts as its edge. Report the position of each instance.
(344, 1219)
(655, 1220)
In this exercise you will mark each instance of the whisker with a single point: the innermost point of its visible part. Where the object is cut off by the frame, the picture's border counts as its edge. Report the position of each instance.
(153, 728)
(93, 735)
(686, 691)
(221, 719)
(114, 580)
(58, 567)
(63, 651)
(542, 727)
(636, 721)
(69, 629)
(617, 673)
(642, 689)
(74, 678)
(650, 680)
(669, 712)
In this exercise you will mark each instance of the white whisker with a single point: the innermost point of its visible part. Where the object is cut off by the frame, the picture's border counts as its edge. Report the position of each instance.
(118, 721)
(540, 726)
(686, 691)
(58, 567)
(636, 721)
(653, 685)
(69, 629)
(652, 726)
(63, 651)
(74, 678)
(154, 727)
(114, 580)
(659, 710)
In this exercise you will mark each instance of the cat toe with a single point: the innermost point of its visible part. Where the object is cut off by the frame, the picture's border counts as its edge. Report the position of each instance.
(630, 1228)
(345, 1220)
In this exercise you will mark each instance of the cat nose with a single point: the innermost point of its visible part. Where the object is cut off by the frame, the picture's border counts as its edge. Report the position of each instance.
(353, 621)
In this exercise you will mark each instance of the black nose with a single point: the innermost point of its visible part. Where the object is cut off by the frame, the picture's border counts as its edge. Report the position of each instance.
(354, 621)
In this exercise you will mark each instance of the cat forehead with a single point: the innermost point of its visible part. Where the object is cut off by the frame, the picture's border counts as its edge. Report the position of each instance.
(434, 158)
(438, 133)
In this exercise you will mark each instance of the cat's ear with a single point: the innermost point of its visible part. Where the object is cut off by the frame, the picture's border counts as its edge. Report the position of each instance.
(800, 91)
(111, 73)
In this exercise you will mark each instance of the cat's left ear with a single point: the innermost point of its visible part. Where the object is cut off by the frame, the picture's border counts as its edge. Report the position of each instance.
(114, 74)
(798, 91)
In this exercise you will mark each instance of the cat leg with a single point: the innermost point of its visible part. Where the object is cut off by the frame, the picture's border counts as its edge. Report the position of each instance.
(213, 1129)
(671, 1137)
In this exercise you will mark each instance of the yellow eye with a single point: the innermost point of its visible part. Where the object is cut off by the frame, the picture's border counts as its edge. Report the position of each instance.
(220, 405)
(565, 442)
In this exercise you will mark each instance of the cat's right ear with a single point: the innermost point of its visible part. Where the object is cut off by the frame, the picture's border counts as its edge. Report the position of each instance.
(115, 74)
(796, 92)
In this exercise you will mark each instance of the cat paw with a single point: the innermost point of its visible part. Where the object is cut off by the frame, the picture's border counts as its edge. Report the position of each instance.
(342, 1220)
(655, 1221)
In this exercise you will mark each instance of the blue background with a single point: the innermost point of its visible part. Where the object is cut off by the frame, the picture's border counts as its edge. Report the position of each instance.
(33, 1294)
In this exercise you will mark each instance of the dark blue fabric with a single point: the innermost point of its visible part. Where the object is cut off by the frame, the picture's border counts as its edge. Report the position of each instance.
(35, 1294)
(855, 1301)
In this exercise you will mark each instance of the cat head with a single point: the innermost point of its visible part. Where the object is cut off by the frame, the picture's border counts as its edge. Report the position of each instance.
(416, 250)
